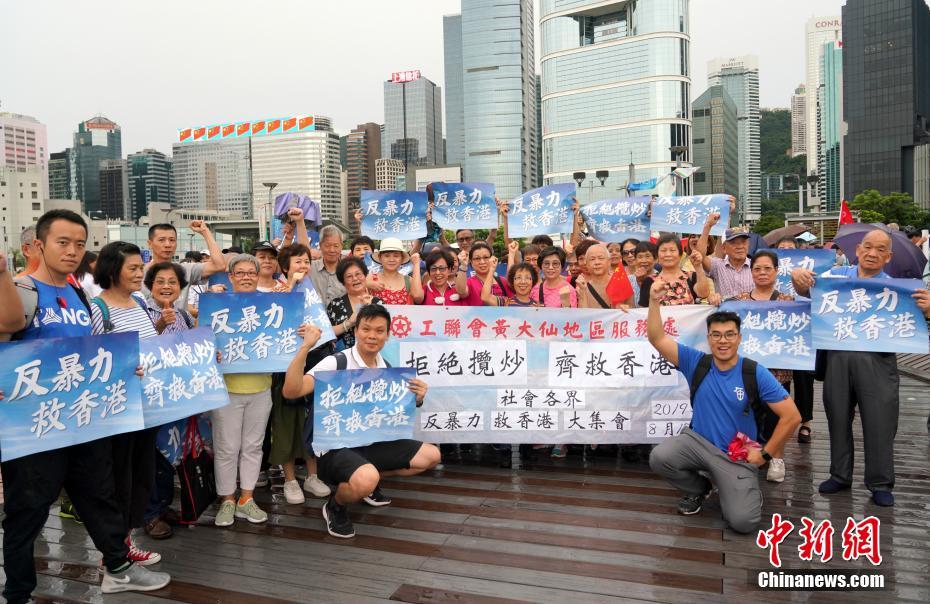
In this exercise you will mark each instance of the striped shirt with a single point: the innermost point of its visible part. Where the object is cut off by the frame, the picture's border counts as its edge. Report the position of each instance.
(182, 319)
(728, 280)
(124, 320)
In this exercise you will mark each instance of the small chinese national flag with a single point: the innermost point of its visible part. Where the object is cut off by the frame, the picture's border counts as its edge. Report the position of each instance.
(845, 215)
(619, 288)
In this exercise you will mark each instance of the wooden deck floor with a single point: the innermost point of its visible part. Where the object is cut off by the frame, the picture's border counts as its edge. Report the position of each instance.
(578, 530)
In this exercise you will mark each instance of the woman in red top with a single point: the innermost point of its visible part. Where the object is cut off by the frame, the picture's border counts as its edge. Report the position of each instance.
(389, 285)
(479, 256)
(438, 290)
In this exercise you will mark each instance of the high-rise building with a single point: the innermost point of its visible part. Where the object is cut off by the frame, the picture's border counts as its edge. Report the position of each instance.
(96, 140)
(831, 127)
(886, 97)
(22, 195)
(149, 180)
(363, 150)
(799, 121)
(114, 189)
(455, 91)
(740, 78)
(539, 160)
(819, 31)
(490, 54)
(413, 122)
(716, 143)
(302, 162)
(59, 175)
(213, 175)
(616, 90)
(387, 171)
(24, 143)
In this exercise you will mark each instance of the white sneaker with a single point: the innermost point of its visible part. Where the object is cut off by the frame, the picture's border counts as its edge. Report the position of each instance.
(292, 492)
(316, 487)
(133, 578)
(776, 471)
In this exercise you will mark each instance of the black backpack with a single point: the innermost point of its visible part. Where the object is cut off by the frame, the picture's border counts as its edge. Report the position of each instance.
(764, 417)
(342, 362)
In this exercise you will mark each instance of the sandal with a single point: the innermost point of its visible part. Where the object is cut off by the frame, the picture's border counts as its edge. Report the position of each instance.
(804, 435)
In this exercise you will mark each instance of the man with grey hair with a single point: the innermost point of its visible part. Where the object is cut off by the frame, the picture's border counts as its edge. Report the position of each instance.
(26, 239)
(323, 271)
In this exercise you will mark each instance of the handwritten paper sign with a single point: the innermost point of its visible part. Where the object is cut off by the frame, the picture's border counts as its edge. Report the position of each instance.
(818, 261)
(871, 315)
(615, 220)
(542, 211)
(464, 205)
(182, 377)
(400, 214)
(256, 332)
(688, 214)
(777, 335)
(65, 391)
(357, 407)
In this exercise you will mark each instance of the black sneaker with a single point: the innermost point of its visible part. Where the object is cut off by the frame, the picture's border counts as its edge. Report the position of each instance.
(377, 498)
(691, 504)
(337, 519)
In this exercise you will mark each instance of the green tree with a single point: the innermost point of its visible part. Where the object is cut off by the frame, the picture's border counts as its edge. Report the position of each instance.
(768, 223)
(774, 137)
(894, 207)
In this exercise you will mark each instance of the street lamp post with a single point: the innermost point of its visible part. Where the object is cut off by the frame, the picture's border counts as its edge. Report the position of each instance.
(677, 152)
(271, 186)
(580, 177)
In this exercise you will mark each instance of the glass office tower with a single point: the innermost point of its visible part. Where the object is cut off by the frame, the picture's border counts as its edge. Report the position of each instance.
(616, 91)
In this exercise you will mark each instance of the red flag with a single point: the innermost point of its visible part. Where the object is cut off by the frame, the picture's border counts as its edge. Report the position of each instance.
(846, 216)
(619, 288)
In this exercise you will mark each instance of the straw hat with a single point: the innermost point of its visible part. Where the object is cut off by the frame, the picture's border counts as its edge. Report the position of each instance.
(391, 244)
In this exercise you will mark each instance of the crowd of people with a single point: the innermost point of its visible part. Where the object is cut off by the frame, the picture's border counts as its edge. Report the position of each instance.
(121, 486)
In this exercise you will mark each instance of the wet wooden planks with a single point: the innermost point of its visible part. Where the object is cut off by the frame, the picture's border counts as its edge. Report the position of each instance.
(584, 529)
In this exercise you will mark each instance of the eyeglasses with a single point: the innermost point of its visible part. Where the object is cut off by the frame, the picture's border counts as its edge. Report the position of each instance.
(244, 274)
(628, 252)
(162, 283)
(438, 269)
(716, 336)
(552, 265)
(464, 239)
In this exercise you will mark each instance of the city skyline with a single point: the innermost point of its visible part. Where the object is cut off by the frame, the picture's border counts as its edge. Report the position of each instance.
(223, 86)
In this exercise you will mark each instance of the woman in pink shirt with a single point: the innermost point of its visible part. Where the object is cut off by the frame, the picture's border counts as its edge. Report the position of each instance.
(479, 256)
(553, 290)
(437, 290)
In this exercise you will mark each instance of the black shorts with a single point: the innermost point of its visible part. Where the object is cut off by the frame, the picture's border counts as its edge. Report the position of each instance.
(338, 465)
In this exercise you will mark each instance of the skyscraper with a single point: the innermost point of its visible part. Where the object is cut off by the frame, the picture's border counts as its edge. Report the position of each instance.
(114, 188)
(96, 140)
(831, 127)
(363, 150)
(740, 78)
(302, 162)
(616, 89)
(413, 122)
(213, 175)
(25, 143)
(22, 194)
(886, 97)
(799, 121)
(716, 143)
(491, 93)
(539, 131)
(387, 171)
(819, 31)
(59, 175)
(149, 179)
(455, 93)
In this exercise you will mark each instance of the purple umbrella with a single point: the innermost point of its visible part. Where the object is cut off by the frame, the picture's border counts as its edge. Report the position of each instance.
(907, 260)
(286, 201)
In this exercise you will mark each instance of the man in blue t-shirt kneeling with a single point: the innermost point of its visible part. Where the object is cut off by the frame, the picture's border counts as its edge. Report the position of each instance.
(721, 408)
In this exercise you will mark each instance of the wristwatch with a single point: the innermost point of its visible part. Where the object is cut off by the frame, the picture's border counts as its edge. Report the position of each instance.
(765, 455)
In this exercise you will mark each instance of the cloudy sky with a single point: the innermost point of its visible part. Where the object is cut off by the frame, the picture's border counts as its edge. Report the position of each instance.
(157, 67)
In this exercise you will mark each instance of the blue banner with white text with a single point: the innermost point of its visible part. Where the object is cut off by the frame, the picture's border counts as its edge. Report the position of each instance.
(777, 335)
(818, 261)
(315, 311)
(357, 407)
(688, 214)
(256, 332)
(870, 315)
(400, 214)
(616, 220)
(469, 205)
(182, 377)
(60, 392)
(542, 211)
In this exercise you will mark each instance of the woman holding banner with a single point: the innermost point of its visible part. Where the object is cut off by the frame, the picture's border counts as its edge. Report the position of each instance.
(764, 267)
(118, 309)
(239, 427)
(289, 417)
